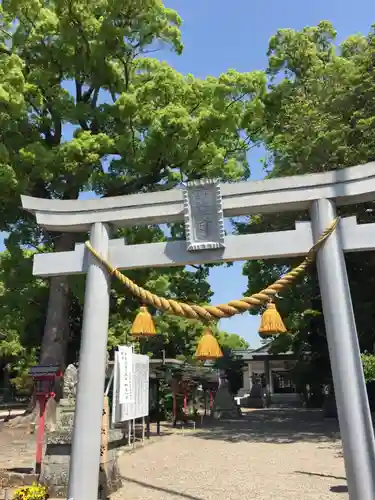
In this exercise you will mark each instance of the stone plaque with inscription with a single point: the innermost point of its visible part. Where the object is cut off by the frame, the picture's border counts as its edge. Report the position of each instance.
(204, 220)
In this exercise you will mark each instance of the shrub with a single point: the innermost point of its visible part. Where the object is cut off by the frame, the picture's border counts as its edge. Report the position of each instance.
(34, 492)
(368, 363)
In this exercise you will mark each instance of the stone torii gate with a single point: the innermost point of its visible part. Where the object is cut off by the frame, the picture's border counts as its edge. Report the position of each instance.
(202, 205)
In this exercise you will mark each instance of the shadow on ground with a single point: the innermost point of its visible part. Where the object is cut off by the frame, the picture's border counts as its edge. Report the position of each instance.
(169, 491)
(341, 488)
(319, 475)
(273, 426)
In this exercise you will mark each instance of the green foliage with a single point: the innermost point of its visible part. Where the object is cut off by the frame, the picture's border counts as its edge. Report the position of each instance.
(22, 314)
(86, 65)
(84, 107)
(318, 116)
(368, 363)
(231, 341)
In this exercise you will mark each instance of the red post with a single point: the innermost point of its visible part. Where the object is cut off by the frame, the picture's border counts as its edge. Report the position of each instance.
(44, 377)
(185, 402)
(40, 433)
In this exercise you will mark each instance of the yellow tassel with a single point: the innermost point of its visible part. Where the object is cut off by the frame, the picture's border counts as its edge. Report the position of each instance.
(143, 325)
(271, 323)
(208, 347)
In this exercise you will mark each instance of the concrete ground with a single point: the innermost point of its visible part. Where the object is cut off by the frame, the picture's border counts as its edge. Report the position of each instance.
(269, 454)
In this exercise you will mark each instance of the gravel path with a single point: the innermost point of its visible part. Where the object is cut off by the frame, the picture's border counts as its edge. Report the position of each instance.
(267, 455)
(17, 448)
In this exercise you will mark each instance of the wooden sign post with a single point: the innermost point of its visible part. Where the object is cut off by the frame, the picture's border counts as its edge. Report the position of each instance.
(104, 436)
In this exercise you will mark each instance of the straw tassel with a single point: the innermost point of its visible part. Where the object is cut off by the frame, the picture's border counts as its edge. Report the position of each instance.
(143, 325)
(271, 323)
(208, 347)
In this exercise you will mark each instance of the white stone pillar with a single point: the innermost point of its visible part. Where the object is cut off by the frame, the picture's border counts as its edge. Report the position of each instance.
(85, 454)
(350, 390)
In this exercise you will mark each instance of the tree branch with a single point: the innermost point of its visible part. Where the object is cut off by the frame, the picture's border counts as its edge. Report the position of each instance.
(87, 95)
(78, 85)
(136, 185)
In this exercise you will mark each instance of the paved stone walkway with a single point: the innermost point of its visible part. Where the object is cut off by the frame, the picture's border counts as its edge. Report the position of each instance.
(268, 455)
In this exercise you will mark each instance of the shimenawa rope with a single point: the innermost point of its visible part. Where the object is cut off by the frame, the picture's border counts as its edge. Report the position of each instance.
(209, 313)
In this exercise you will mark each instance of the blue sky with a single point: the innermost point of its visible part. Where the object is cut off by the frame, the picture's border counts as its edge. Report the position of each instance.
(219, 35)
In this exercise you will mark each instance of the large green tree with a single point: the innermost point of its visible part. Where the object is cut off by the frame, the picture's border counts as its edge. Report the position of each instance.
(318, 116)
(83, 106)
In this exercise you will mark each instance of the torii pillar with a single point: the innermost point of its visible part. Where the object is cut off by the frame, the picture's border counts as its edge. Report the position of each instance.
(86, 438)
(350, 390)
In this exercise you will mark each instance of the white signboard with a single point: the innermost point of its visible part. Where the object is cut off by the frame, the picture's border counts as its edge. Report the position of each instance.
(125, 365)
(141, 365)
(130, 385)
(120, 412)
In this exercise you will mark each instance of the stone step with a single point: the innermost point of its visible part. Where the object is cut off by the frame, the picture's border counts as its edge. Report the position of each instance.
(17, 477)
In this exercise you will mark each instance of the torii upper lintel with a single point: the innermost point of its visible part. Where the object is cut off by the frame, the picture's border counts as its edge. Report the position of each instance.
(346, 186)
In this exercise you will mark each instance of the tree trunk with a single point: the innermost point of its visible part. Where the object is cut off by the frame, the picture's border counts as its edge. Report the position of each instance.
(56, 330)
(55, 336)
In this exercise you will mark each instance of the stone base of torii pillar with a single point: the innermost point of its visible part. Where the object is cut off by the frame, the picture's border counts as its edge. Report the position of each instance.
(55, 468)
(56, 461)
